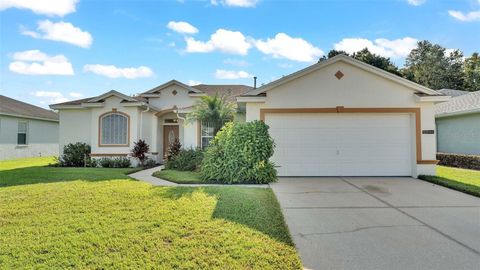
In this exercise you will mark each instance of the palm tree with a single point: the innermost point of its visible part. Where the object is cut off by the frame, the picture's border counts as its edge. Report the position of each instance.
(214, 110)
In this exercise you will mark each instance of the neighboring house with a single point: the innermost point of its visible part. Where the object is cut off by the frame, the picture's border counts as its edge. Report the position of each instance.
(342, 117)
(112, 122)
(26, 130)
(339, 117)
(458, 123)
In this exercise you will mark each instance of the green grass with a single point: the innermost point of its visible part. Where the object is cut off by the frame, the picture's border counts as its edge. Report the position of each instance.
(25, 162)
(471, 177)
(104, 220)
(467, 181)
(179, 177)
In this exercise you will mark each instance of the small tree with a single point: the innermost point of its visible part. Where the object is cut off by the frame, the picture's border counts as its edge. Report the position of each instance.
(140, 150)
(215, 110)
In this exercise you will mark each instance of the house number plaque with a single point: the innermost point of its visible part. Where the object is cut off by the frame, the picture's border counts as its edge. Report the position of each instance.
(428, 131)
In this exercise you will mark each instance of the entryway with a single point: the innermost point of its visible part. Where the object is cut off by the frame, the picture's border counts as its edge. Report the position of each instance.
(170, 134)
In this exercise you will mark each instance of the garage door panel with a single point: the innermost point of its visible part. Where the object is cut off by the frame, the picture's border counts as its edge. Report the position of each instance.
(341, 144)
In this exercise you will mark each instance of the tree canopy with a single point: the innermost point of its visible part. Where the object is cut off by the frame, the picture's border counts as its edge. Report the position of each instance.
(428, 64)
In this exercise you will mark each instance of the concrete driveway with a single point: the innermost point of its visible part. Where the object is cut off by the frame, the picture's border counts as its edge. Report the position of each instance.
(380, 223)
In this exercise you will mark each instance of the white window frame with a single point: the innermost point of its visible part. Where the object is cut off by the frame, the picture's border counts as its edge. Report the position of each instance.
(100, 131)
(25, 132)
(202, 136)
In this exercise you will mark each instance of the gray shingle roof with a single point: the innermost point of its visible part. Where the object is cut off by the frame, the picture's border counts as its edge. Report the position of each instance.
(10, 106)
(452, 92)
(459, 104)
(230, 91)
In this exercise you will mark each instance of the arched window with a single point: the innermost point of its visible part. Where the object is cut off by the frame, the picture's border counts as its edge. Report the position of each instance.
(114, 129)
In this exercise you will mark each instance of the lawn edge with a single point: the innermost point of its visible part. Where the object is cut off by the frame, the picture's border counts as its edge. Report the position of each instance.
(452, 184)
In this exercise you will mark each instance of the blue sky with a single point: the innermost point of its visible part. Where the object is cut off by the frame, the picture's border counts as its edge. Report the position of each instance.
(57, 50)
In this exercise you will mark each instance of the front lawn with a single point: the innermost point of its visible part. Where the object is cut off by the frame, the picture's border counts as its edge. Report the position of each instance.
(463, 180)
(102, 222)
(179, 177)
(25, 162)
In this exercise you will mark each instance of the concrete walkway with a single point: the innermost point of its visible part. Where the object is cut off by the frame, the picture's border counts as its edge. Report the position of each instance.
(380, 223)
(146, 176)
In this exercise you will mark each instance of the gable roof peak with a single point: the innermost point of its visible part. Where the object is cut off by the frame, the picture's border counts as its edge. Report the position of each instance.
(169, 83)
(349, 60)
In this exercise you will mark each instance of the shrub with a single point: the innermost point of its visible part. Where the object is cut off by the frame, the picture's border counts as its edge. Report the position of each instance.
(122, 162)
(75, 155)
(105, 162)
(173, 150)
(459, 160)
(186, 160)
(240, 153)
(119, 162)
(149, 163)
(140, 150)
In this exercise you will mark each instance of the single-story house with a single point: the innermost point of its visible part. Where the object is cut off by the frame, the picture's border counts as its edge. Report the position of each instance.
(342, 117)
(458, 123)
(110, 123)
(338, 117)
(26, 130)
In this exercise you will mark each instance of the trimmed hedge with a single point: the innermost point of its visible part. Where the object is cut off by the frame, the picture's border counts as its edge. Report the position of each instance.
(75, 155)
(459, 160)
(239, 154)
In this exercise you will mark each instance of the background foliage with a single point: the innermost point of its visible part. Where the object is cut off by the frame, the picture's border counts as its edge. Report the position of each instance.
(428, 64)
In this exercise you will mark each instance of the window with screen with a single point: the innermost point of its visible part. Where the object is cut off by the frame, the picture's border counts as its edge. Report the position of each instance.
(114, 129)
(22, 133)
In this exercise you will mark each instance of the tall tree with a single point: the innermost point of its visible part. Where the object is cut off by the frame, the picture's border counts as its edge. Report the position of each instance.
(472, 72)
(368, 57)
(430, 65)
(376, 60)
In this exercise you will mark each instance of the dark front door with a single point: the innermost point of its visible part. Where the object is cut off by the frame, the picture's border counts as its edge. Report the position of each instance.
(170, 133)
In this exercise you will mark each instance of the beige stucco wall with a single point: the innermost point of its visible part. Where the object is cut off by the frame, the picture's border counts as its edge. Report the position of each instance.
(42, 138)
(167, 99)
(357, 89)
(74, 127)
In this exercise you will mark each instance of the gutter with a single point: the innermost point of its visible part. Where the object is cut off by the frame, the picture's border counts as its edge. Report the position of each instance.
(476, 110)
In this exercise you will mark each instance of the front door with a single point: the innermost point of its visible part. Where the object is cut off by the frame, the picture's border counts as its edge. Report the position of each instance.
(170, 133)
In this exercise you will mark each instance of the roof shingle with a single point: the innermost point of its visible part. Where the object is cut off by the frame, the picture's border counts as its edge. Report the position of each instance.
(12, 106)
(459, 104)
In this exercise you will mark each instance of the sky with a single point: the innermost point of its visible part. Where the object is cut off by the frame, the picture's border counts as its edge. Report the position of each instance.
(53, 51)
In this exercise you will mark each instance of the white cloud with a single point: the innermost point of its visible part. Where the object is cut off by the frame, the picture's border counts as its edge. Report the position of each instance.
(50, 96)
(416, 2)
(397, 48)
(76, 95)
(35, 62)
(45, 7)
(231, 74)
(182, 27)
(226, 41)
(115, 72)
(284, 46)
(235, 3)
(465, 17)
(193, 82)
(61, 31)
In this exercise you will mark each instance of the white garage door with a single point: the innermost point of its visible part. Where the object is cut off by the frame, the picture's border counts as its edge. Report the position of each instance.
(342, 144)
